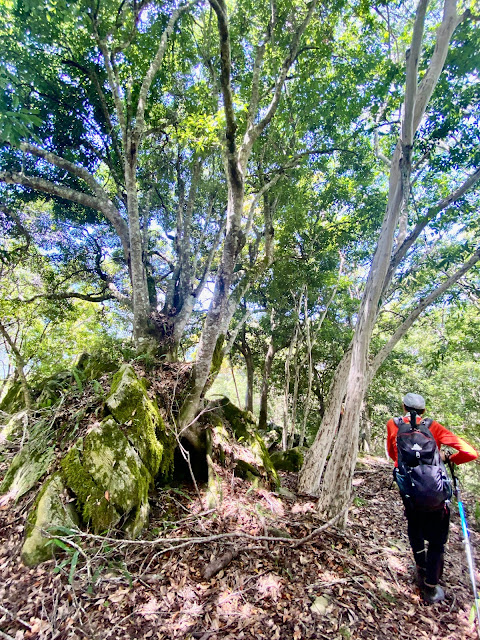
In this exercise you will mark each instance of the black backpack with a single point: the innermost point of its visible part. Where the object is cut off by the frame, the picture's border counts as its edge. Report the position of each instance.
(421, 475)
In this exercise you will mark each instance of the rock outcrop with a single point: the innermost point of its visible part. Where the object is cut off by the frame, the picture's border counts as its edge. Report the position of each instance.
(108, 472)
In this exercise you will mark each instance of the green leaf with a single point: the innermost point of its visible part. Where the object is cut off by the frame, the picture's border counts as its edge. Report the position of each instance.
(61, 544)
(73, 566)
(77, 379)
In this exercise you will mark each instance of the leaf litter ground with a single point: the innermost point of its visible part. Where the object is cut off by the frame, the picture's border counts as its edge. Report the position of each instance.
(355, 583)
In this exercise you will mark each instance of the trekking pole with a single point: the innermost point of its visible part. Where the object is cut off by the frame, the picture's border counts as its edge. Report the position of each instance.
(466, 542)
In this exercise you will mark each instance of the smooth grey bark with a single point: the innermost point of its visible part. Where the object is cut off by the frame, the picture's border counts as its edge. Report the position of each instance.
(350, 380)
(267, 370)
(289, 416)
(19, 366)
(309, 346)
(235, 161)
(248, 356)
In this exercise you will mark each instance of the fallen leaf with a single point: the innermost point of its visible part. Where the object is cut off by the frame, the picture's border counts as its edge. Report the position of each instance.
(320, 605)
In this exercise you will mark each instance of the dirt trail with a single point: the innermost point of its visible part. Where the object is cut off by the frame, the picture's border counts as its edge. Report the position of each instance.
(341, 585)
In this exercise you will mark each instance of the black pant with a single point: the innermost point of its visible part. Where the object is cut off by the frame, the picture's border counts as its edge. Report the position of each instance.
(431, 527)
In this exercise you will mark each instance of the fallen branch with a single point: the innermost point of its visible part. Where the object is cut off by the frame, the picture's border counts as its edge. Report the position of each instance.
(218, 564)
(204, 539)
(315, 532)
(14, 617)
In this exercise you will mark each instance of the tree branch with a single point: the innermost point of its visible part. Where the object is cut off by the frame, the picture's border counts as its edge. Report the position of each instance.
(85, 199)
(257, 197)
(410, 319)
(402, 250)
(254, 97)
(450, 21)
(88, 297)
(220, 8)
(211, 255)
(92, 74)
(155, 66)
(413, 59)
(253, 132)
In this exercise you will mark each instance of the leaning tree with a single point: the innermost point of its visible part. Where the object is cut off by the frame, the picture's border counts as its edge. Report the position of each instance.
(432, 179)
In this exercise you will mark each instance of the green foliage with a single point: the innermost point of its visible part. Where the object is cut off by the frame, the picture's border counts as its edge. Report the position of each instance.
(340, 102)
(438, 359)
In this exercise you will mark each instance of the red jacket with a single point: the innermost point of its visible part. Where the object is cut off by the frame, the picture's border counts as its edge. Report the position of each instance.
(465, 452)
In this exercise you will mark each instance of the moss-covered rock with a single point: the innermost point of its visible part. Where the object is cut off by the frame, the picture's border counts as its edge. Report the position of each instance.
(12, 399)
(108, 478)
(11, 427)
(93, 366)
(290, 460)
(27, 467)
(246, 470)
(244, 427)
(50, 511)
(130, 405)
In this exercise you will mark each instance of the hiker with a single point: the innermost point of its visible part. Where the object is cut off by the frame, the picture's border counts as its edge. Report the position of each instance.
(424, 486)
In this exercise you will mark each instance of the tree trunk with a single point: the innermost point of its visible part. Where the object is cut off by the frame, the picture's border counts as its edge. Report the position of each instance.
(313, 467)
(218, 307)
(365, 430)
(289, 417)
(247, 354)
(306, 408)
(336, 487)
(267, 370)
(19, 366)
(335, 491)
(236, 158)
(141, 303)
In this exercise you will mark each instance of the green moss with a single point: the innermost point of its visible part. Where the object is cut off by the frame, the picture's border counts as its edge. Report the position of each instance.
(290, 460)
(242, 422)
(258, 446)
(91, 501)
(49, 512)
(218, 355)
(245, 470)
(13, 399)
(129, 404)
(244, 427)
(93, 366)
(27, 467)
(108, 477)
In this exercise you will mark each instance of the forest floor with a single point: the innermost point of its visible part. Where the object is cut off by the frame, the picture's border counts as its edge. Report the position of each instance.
(355, 583)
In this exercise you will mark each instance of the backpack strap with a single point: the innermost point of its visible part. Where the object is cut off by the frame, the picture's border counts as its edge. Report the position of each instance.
(426, 422)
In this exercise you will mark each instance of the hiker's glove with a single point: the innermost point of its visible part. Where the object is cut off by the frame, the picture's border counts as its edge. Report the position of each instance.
(445, 455)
